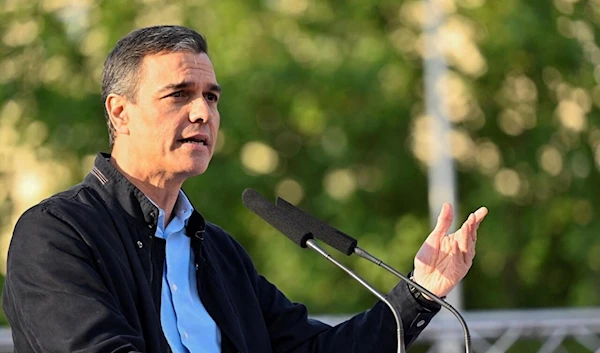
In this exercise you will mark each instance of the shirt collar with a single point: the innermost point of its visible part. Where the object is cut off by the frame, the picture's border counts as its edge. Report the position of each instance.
(183, 209)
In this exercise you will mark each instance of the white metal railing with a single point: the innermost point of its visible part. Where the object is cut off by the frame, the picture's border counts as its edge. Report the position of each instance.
(498, 331)
(491, 331)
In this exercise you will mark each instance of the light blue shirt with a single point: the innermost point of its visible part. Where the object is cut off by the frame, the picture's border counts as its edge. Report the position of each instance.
(185, 322)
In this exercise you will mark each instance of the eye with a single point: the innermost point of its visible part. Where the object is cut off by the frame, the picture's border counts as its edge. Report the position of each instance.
(211, 97)
(177, 94)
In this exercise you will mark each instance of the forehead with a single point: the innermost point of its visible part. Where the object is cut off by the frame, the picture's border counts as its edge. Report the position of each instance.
(169, 68)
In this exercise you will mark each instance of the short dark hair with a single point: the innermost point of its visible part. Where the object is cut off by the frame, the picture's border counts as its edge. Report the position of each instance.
(120, 74)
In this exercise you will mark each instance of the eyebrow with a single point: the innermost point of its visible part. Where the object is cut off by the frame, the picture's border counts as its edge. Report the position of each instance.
(186, 84)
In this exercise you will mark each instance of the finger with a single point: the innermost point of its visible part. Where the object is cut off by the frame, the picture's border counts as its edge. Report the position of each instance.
(468, 258)
(469, 229)
(465, 236)
(470, 255)
(443, 223)
(456, 252)
(465, 242)
(480, 214)
(473, 230)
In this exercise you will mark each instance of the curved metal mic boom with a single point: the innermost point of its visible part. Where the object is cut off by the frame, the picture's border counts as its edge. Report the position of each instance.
(348, 245)
(300, 235)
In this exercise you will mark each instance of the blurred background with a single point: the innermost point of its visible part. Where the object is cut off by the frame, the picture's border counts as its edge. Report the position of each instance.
(326, 104)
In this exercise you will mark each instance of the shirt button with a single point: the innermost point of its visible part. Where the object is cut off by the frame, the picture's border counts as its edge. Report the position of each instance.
(174, 287)
(420, 323)
(140, 244)
(197, 267)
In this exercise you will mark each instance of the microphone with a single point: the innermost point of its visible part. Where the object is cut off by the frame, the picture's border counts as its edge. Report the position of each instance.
(300, 235)
(256, 203)
(331, 236)
(348, 245)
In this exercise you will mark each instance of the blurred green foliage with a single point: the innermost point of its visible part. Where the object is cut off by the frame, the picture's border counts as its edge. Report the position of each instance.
(323, 105)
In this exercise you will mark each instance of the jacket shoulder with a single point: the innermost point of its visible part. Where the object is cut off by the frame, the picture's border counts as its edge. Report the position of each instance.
(72, 208)
(226, 245)
(77, 200)
(221, 236)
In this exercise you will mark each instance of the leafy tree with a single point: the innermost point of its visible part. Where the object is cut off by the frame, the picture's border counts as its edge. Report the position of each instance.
(323, 105)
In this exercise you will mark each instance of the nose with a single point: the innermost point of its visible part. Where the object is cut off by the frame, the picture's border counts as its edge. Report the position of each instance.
(200, 111)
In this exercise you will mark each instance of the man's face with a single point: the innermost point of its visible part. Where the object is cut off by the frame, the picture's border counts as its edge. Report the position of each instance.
(174, 123)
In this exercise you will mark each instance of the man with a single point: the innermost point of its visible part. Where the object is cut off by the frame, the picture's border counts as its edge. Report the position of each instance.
(123, 263)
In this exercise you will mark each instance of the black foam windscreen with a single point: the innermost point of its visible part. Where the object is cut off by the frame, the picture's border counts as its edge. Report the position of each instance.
(256, 203)
(320, 230)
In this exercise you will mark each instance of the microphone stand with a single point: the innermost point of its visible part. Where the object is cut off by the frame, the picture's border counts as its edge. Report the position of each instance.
(400, 330)
(304, 238)
(467, 335)
(348, 245)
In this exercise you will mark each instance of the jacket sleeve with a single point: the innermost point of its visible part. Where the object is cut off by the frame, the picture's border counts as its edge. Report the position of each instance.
(374, 330)
(53, 295)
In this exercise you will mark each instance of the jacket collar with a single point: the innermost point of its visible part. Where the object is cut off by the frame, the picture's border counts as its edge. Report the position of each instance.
(119, 192)
(116, 190)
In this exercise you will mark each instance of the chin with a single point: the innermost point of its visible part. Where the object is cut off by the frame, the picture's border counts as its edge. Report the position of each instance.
(190, 165)
(194, 169)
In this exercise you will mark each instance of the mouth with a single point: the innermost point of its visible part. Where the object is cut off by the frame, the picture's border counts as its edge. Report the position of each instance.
(198, 140)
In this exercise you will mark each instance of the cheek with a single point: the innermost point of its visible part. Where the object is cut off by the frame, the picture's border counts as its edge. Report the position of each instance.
(216, 122)
(147, 132)
(137, 130)
(150, 134)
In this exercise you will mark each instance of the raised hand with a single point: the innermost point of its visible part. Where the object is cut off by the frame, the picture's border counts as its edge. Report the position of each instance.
(444, 260)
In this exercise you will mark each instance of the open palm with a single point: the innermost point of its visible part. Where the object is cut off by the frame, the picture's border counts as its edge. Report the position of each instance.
(444, 260)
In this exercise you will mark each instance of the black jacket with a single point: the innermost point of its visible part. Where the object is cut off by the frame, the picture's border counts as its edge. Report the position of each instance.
(85, 274)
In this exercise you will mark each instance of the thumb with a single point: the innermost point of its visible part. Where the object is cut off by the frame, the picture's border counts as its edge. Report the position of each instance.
(443, 223)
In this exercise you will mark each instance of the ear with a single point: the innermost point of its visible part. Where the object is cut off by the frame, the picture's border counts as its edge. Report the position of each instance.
(116, 107)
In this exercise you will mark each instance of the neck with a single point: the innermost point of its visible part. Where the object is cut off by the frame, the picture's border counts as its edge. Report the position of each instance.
(162, 189)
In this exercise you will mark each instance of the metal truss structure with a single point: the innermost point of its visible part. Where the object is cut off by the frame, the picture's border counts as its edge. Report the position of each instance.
(561, 330)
